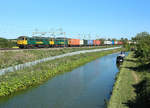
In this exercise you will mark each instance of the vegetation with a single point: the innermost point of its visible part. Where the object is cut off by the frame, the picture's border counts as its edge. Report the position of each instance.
(22, 79)
(142, 88)
(143, 47)
(123, 89)
(127, 46)
(4, 43)
(132, 88)
(19, 57)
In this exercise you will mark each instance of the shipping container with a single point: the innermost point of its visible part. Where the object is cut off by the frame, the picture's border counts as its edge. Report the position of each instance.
(81, 42)
(74, 42)
(85, 42)
(113, 42)
(90, 42)
(107, 42)
(116, 42)
(96, 42)
(120, 43)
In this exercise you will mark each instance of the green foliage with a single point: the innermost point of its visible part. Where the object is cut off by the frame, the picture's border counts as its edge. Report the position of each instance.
(127, 46)
(4, 43)
(143, 47)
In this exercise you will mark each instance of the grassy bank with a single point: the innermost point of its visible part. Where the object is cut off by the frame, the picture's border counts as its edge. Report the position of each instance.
(130, 87)
(15, 81)
(12, 58)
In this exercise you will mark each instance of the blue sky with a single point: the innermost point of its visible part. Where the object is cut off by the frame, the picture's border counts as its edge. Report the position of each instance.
(107, 18)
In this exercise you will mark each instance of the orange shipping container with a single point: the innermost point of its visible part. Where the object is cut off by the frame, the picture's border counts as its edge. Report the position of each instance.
(74, 42)
(97, 42)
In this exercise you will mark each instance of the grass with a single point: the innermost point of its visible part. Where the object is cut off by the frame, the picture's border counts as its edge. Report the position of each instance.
(12, 58)
(123, 90)
(29, 77)
(127, 89)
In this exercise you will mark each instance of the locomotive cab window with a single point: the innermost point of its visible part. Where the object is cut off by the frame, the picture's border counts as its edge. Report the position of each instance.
(22, 38)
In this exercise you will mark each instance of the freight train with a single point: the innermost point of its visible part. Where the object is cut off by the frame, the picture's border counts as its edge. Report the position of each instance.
(31, 42)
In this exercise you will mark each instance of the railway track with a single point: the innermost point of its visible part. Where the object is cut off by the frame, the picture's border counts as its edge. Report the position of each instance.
(18, 49)
(9, 48)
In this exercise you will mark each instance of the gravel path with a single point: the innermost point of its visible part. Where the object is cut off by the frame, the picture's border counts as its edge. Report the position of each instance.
(29, 64)
(135, 77)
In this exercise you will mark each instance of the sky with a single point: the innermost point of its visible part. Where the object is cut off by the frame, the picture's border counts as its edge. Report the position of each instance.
(102, 18)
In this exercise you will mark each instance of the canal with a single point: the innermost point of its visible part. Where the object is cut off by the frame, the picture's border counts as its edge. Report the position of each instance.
(84, 87)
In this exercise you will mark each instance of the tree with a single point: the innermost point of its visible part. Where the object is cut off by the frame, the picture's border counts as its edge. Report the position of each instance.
(4, 43)
(143, 48)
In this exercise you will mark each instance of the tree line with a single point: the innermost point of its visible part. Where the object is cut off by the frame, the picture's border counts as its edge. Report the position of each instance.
(142, 47)
(142, 89)
(5, 43)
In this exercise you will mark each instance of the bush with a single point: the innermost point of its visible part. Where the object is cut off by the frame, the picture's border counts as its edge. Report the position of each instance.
(143, 48)
(4, 43)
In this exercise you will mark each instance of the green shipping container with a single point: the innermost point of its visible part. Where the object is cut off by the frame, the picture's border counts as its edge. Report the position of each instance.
(85, 42)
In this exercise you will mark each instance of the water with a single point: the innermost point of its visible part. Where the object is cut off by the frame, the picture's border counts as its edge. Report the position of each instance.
(84, 87)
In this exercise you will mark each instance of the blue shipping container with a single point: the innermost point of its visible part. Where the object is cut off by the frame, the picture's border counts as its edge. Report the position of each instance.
(113, 42)
(90, 42)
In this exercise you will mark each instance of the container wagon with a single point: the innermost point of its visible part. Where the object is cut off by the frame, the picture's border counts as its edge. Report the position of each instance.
(85, 42)
(120, 43)
(96, 42)
(81, 42)
(113, 42)
(74, 42)
(116, 42)
(107, 43)
(90, 42)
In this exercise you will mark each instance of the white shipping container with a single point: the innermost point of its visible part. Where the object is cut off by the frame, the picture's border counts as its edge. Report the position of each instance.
(107, 42)
(81, 42)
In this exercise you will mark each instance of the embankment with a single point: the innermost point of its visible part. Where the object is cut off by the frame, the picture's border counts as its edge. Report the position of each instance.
(123, 90)
(15, 57)
(32, 63)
